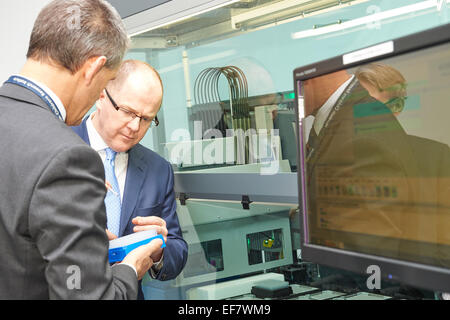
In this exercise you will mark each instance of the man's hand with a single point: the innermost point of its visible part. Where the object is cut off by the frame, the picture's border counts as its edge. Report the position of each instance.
(111, 236)
(148, 223)
(140, 257)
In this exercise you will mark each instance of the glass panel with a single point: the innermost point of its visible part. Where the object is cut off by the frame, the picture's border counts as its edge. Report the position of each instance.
(208, 252)
(228, 103)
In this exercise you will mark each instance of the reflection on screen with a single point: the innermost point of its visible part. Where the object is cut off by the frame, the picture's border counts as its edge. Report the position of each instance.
(376, 157)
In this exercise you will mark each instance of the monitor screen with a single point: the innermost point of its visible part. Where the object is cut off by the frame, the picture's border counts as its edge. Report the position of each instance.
(374, 157)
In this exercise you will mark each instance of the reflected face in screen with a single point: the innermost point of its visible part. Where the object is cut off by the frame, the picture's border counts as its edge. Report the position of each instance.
(385, 84)
(375, 92)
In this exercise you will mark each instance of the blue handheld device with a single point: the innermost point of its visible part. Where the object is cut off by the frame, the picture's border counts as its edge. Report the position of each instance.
(120, 247)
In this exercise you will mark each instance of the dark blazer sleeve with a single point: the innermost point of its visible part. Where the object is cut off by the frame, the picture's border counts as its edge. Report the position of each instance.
(67, 222)
(176, 251)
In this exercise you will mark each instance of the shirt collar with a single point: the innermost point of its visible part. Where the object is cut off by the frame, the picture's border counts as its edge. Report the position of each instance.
(96, 141)
(52, 95)
(326, 108)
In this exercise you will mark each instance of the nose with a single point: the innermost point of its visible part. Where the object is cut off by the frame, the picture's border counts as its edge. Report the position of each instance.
(134, 124)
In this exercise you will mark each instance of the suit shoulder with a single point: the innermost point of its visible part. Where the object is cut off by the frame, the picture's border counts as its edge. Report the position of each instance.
(421, 141)
(41, 133)
(39, 122)
(151, 155)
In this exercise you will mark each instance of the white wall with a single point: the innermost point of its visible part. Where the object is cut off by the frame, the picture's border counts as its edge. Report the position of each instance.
(16, 22)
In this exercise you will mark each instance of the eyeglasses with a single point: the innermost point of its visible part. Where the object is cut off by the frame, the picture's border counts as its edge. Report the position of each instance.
(129, 115)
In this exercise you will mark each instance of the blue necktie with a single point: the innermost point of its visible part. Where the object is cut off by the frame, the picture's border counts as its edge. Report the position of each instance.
(112, 199)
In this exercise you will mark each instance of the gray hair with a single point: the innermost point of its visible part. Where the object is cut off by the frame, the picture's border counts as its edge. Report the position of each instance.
(69, 32)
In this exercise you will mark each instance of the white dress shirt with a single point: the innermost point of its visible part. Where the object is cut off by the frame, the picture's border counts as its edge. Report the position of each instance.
(121, 161)
(52, 95)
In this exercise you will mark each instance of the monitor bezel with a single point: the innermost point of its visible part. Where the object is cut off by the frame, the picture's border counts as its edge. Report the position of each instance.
(410, 273)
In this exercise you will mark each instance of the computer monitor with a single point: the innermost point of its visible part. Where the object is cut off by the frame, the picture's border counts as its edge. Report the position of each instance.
(374, 160)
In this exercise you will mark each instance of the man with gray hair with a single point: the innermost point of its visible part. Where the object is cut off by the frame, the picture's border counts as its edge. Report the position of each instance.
(52, 212)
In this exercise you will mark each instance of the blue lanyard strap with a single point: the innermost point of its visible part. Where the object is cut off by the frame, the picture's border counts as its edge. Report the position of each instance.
(30, 85)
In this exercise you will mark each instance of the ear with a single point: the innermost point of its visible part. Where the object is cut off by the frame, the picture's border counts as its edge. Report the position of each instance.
(93, 67)
(101, 100)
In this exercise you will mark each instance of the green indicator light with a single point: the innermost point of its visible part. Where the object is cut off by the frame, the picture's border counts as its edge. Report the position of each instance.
(289, 96)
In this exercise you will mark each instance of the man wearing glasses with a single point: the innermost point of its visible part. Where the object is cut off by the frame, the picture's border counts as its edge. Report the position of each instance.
(139, 182)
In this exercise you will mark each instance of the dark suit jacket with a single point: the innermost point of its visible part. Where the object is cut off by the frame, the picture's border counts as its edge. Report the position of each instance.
(52, 212)
(149, 191)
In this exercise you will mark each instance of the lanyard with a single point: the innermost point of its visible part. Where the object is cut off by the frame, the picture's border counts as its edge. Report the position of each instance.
(30, 85)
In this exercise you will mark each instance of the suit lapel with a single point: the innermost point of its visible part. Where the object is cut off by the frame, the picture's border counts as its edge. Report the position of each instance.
(133, 183)
(81, 130)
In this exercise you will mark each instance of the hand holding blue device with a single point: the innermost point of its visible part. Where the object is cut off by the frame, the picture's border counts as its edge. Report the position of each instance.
(120, 247)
